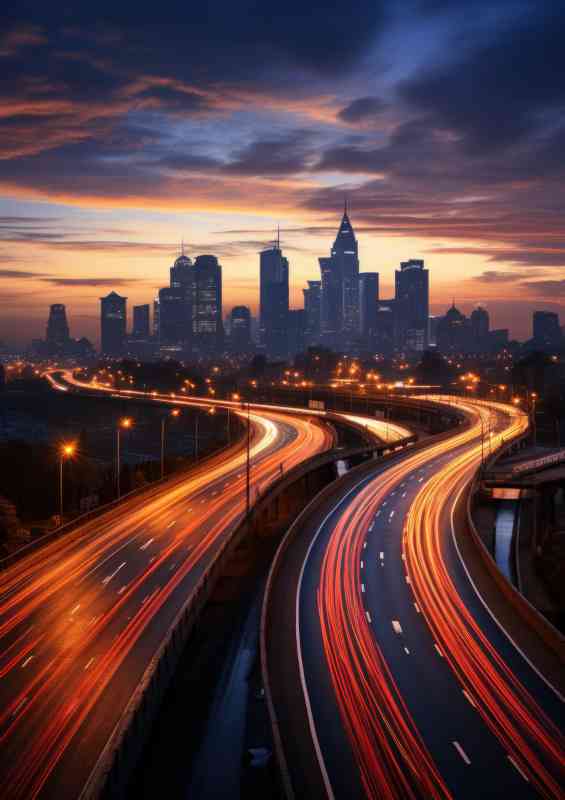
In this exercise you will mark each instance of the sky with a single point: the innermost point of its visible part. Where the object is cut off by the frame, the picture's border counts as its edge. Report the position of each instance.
(126, 128)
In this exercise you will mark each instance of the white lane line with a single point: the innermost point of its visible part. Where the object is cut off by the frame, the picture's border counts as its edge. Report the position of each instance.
(402, 485)
(390, 516)
(147, 543)
(362, 564)
(518, 768)
(122, 589)
(378, 513)
(461, 752)
(396, 626)
(404, 494)
(89, 664)
(170, 525)
(75, 609)
(152, 559)
(438, 650)
(27, 661)
(469, 698)
(368, 616)
(22, 702)
(364, 545)
(381, 555)
(420, 480)
(417, 607)
(383, 503)
(362, 587)
(108, 578)
(393, 493)
(108, 557)
(407, 651)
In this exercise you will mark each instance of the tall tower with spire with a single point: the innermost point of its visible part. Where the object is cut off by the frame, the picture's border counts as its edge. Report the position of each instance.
(340, 284)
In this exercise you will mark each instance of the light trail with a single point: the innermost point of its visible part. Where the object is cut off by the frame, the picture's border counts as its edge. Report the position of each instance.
(92, 633)
(392, 758)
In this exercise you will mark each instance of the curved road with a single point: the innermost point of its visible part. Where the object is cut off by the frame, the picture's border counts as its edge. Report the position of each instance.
(410, 687)
(81, 618)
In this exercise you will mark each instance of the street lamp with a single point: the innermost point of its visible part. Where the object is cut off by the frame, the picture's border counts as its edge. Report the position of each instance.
(125, 423)
(173, 413)
(66, 451)
(534, 397)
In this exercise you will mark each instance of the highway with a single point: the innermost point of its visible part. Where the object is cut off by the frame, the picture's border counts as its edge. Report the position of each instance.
(410, 687)
(81, 618)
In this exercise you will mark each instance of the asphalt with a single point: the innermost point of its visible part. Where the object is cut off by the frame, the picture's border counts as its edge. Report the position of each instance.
(470, 758)
(81, 619)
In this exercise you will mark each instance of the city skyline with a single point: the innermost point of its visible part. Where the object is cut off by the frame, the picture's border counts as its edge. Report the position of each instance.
(104, 168)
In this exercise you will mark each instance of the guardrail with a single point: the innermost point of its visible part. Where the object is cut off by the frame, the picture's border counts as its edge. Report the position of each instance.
(529, 614)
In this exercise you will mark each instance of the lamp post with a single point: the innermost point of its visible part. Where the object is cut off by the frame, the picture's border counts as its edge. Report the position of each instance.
(534, 397)
(125, 423)
(173, 413)
(248, 464)
(67, 451)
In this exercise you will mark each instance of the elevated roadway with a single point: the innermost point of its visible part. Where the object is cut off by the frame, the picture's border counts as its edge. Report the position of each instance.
(398, 680)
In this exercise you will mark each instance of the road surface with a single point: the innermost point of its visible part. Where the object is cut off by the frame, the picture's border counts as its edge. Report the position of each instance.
(81, 618)
(410, 688)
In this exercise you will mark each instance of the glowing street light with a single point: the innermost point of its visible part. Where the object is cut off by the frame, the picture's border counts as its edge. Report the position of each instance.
(174, 413)
(67, 451)
(124, 423)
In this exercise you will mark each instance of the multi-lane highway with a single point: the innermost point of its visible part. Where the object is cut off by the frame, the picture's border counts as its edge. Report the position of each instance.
(81, 618)
(409, 687)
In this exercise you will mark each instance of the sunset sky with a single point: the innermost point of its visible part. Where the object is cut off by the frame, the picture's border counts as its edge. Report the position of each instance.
(127, 127)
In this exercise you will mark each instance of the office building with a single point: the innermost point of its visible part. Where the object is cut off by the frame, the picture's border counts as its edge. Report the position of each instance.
(141, 322)
(113, 315)
(240, 329)
(206, 306)
(273, 300)
(58, 335)
(480, 325)
(546, 329)
(296, 331)
(368, 299)
(174, 319)
(312, 298)
(412, 304)
(340, 287)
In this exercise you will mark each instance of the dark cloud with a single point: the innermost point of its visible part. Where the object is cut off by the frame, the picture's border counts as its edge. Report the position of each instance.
(545, 288)
(20, 274)
(286, 155)
(362, 109)
(494, 276)
(497, 92)
(90, 282)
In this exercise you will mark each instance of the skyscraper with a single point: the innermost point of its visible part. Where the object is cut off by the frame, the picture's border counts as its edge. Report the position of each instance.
(174, 322)
(113, 315)
(368, 299)
(546, 330)
(57, 336)
(141, 326)
(240, 329)
(273, 299)
(312, 298)
(340, 286)
(412, 304)
(206, 305)
(480, 325)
